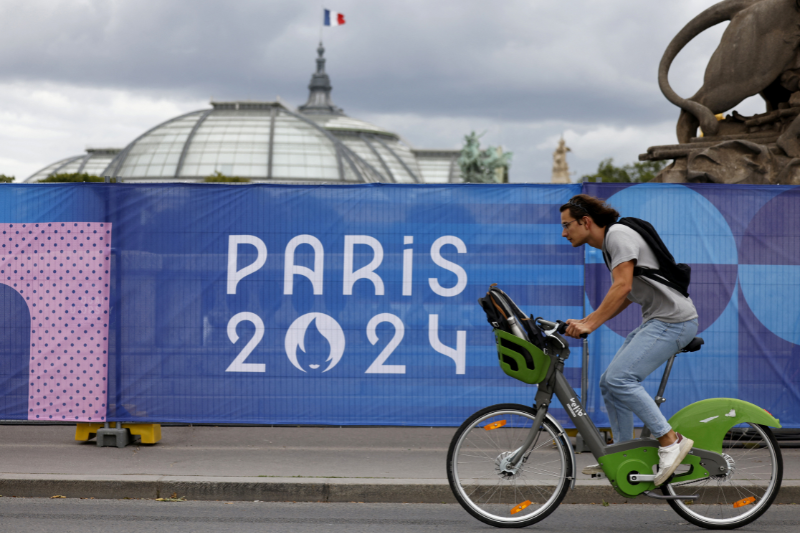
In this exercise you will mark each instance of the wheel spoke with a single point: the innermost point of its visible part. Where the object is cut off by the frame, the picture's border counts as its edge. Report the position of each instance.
(755, 472)
(489, 494)
(544, 472)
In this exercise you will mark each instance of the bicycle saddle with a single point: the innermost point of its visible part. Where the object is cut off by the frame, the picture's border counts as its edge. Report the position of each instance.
(694, 345)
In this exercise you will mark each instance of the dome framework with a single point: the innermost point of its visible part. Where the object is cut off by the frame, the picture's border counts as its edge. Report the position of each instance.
(267, 141)
(271, 142)
(93, 162)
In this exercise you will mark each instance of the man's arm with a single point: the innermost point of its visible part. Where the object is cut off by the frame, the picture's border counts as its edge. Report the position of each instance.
(622, 307)
(615, 301)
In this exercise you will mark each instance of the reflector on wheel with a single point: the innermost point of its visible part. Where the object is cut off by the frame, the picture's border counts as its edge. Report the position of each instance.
(520, 507)
(746, 501)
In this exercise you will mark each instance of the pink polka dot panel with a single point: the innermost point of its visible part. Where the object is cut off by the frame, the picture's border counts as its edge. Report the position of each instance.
(63, 271)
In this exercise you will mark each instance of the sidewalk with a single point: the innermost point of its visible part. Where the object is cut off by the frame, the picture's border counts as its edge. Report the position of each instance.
(262, 463)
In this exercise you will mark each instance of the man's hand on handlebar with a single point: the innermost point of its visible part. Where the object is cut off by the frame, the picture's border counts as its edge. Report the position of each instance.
(577, 328)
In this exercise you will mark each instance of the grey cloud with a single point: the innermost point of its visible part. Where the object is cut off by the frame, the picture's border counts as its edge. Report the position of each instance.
(506, 60)
(524, 70)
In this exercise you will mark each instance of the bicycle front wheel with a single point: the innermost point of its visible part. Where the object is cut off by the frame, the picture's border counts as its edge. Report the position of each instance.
(496, 492)
(745, 492)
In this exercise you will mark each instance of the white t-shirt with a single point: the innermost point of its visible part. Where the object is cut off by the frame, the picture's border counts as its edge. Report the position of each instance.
(621, 244)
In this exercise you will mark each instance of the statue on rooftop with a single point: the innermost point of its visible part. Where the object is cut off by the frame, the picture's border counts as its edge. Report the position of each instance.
(560, 166)
(483, 166)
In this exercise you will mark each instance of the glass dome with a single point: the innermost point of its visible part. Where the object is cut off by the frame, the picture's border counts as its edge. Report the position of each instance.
(93, 162)
(271, 142)
(268, 142)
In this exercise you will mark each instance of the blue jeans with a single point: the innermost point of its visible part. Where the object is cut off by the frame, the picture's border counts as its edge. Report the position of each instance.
(645, 349)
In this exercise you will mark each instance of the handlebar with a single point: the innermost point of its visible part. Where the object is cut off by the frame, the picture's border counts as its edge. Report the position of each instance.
(560, 327)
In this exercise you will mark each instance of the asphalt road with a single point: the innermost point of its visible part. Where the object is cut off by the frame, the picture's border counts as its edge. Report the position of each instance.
(36, 515)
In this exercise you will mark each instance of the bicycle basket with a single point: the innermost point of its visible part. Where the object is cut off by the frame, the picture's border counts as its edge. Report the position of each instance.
(520, 359)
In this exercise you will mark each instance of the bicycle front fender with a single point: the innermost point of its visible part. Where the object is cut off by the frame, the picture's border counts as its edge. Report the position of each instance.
(706, 422)
(571, 457)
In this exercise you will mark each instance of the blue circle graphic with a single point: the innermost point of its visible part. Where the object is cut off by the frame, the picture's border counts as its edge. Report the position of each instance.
(770, 265)
(694, 231)
(692, 227)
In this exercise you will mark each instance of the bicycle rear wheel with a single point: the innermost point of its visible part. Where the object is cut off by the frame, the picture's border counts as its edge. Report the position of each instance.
(492, 491)
(745, 493)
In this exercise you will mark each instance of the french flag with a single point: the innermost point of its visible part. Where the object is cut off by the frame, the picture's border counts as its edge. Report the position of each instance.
(332, 18)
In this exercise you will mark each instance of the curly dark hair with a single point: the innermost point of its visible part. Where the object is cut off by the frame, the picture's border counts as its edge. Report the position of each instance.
(582, 205)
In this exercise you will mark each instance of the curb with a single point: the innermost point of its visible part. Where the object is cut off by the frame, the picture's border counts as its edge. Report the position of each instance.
(247, 489)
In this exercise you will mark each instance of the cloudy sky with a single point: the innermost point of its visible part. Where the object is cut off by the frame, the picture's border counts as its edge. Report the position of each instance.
(97, 73)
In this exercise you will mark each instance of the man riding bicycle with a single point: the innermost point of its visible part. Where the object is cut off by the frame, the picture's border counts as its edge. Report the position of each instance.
(669, 322)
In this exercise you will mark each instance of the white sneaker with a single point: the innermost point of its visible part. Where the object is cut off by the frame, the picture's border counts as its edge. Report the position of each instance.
(670, 457)
(593, 470)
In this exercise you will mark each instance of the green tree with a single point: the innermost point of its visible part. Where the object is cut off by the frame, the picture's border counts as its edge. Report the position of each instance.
(74, 177)
(6, 179)
(639, 172)
(483, 166)
(219, 177)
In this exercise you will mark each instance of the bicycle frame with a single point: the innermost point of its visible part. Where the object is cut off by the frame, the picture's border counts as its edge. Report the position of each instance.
(631, 458)
(734, 453)
(575, 410)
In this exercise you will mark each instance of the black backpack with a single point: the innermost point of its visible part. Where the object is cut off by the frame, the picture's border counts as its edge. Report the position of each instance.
(502, 313)
(677, 276)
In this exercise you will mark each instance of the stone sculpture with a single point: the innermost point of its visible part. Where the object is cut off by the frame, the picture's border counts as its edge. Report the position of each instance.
(757, 54)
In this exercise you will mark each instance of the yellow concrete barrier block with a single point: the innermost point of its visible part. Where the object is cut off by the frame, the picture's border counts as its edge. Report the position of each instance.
(149, 433)
(87, 431)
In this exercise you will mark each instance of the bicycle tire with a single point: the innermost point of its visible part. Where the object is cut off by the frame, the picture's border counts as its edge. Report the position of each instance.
(757, 473)
(490, 494)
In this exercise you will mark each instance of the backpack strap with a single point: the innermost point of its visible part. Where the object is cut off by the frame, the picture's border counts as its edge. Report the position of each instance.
(666, 261)
(658, 276)
(606, 257)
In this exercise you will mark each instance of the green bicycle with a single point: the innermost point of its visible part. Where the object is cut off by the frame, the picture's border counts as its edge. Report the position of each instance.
(511, 465)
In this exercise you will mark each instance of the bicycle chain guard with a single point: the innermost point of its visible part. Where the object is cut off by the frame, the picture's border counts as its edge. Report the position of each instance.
(618, 466)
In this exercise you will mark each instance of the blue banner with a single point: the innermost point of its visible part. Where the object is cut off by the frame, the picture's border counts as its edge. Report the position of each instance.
(357, 305)
(743, 244)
